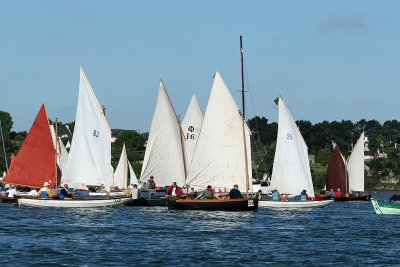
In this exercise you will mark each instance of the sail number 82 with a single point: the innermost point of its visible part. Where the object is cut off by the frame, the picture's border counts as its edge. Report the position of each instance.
(95, 133)
(289, 136)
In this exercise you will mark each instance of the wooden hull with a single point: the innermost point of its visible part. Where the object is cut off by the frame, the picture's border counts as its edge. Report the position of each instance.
(242, 204)
(72, 203)
(355, 198)
(11, 200)
(154, 202)
(385, 208)
(294, 204)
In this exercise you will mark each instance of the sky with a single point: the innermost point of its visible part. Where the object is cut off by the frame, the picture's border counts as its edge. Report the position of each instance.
(329, 60)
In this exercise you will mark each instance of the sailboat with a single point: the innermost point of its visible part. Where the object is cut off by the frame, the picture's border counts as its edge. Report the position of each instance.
(89, 161)
(222, 156)
(35, 162)
(349, 177)
(122, 171)
(385, 208)
(191, 126)
(164, 157)
(291, 170)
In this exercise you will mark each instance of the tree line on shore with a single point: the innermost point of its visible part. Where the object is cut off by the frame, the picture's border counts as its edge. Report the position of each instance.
(382, 138)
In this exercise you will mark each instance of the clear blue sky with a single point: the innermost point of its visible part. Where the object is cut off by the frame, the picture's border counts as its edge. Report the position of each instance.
(330, 60)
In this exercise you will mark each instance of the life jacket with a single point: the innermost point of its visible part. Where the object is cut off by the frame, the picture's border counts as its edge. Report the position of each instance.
(275, 196)
(303, 197)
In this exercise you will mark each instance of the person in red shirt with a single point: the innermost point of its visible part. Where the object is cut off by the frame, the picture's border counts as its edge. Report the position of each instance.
(338, 193)
(174, 191)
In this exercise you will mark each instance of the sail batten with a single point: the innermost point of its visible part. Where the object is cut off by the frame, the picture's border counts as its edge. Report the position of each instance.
(36, 159)
(164, 157)
(219, 159)
(291, 169)
(89, 159)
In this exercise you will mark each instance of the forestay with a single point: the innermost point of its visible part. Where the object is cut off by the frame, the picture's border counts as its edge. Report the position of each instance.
(355, 167)
(164, 156)
(291, 170)
(121, 172)
(219, 157)
(191, 126)
(89, 159)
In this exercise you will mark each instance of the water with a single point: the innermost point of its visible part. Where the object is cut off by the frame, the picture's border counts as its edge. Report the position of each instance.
(337, 234)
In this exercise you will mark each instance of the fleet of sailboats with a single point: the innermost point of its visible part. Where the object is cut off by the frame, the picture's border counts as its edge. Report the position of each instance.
(197, 152)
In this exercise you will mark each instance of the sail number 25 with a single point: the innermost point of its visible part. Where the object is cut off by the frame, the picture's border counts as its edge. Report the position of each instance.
(289, 136)
(95, 133)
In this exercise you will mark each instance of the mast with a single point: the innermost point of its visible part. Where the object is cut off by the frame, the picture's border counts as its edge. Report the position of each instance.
(56, 174)
(243, 121)
(4, 148)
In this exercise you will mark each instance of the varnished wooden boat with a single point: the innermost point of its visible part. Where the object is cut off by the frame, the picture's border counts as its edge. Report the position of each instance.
(240, 204)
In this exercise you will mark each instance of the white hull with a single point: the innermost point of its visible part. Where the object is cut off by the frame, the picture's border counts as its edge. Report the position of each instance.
(391, 209)
(90, 203)
(293, 204)
(112, 194)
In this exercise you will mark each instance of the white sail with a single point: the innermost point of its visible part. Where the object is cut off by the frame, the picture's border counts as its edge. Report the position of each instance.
(121, 172)
(291, 169)
(191, 126)
(63, 156)
(133, 178)
(164, 157)
(355, 167)
(219, 158)
(89, 159)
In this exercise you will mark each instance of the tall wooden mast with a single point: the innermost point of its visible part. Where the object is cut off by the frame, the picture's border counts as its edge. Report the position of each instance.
(243, 120)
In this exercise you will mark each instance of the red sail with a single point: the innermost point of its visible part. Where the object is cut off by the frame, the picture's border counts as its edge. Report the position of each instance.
(336, 175)
(35, 162)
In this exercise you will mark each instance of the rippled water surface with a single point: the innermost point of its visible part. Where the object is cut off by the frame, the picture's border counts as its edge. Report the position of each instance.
(337, 234)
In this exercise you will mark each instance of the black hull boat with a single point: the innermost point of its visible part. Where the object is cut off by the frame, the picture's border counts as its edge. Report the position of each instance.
(241, 204)
(149, 202)
(354, 198)
(10, 200)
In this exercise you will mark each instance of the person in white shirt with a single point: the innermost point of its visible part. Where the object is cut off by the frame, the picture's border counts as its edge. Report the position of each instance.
(33, 192)
(135, 192)
(11, 191)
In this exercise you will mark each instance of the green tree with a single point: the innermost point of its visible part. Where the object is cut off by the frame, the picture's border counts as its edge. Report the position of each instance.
(6, 125)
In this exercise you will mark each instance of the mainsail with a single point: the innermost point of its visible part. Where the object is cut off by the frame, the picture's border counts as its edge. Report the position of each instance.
(191, 126)
(355, 167)
(63, 156)
(89, 158)
(336, 174)
(219, 158)
(164, 157)
(121, 172)
(291, 169)
(36, 159)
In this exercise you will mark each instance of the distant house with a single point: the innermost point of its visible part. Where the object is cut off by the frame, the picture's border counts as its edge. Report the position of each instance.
(368, 155)
(311, 159)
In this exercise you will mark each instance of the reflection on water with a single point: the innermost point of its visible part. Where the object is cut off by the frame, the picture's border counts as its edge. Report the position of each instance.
(340, 233)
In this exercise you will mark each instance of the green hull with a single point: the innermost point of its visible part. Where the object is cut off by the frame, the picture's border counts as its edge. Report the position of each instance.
(385, 208)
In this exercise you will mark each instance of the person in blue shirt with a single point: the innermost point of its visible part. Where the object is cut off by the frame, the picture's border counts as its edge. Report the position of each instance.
(303, 195)
(277, 196)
